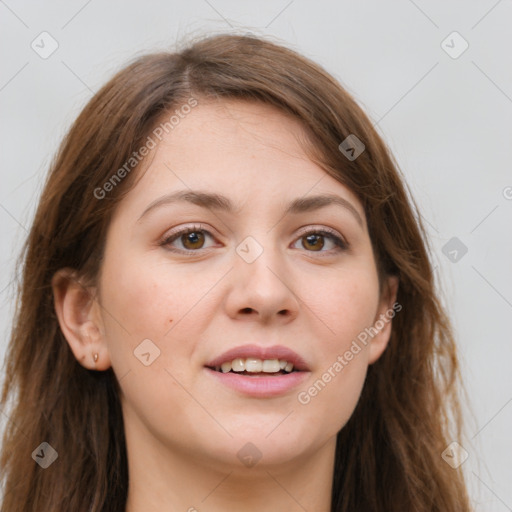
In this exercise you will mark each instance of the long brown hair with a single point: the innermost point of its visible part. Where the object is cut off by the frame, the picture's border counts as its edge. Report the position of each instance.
(388, 455)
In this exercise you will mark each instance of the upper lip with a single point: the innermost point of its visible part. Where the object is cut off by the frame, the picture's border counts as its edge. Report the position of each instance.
(258, 352)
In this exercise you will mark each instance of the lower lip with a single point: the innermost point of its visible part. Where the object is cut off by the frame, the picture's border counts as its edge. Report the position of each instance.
(260, 386)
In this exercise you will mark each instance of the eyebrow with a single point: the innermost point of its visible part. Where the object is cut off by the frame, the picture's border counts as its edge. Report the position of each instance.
(219, 202)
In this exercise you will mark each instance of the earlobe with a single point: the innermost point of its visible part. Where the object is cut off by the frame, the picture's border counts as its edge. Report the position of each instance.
(79, 320)
(388, 308)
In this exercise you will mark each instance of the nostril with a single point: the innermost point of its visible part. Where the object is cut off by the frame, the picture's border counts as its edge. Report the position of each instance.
(247, 310)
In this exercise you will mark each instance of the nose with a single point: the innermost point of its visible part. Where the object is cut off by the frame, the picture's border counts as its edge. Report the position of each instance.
(262, 290)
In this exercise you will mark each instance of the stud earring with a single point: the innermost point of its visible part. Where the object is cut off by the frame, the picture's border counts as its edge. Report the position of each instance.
(95, 357)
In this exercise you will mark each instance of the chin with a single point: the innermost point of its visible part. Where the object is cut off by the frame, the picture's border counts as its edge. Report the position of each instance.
(264, 445)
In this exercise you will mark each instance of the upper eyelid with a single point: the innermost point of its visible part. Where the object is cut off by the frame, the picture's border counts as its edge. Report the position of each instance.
(191, 228)
(322, 229)
(304, 229)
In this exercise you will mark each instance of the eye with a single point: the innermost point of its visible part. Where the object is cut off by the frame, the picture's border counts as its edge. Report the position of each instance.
(315, 240)
(191, 239)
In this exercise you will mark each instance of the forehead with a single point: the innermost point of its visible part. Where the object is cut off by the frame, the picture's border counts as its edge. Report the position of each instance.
(239, 128)
(250, 151)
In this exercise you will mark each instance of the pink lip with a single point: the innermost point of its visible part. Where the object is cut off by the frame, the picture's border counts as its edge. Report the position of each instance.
(275, 352)
(260, 386)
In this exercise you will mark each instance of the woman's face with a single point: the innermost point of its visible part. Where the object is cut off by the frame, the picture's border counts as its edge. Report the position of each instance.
(277, 265)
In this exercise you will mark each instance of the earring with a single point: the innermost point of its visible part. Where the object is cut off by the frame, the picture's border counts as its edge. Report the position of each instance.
(95, 357)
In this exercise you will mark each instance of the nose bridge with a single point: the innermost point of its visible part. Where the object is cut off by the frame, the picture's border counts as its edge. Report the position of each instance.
(260, 280)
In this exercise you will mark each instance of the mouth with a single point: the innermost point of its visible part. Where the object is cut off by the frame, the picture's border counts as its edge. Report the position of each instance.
(259, 371)
(254, 367)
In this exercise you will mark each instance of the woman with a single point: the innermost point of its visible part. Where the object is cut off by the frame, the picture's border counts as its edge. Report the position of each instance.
(227, 304)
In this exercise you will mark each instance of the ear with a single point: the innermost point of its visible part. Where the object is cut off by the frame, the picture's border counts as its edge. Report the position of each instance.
(388, 308)
(79, 318)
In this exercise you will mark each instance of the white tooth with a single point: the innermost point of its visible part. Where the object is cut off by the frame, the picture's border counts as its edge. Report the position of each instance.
(238, 365)
(253, 365)
(282, 364)
(226, 367)
(288, 367)
(270, 366)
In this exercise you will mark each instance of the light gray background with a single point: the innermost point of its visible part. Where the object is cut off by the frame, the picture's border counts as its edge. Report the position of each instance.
(448, 122)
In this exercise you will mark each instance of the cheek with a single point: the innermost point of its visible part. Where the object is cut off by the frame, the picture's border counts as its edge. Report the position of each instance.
(143, 299)
(139, 303)
(347, 306)
(141, 306)
(331, 395)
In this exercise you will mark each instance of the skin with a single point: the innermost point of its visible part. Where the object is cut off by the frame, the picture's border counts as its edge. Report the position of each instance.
(184, 428)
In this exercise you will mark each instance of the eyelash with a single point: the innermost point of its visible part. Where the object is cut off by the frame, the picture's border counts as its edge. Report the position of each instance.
(341, 245)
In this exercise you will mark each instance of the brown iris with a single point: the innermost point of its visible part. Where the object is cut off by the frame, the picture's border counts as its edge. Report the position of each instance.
(193, 240)
(315, 241)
